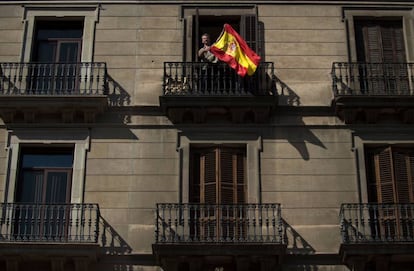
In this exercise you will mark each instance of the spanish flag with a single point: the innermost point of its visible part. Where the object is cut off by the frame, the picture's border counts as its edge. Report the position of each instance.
(233, 49)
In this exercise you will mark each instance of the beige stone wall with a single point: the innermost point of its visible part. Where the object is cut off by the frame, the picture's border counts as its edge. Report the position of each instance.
(128, 176)
(310, 172)
(134, 41)
(11, 33)
(303, 41)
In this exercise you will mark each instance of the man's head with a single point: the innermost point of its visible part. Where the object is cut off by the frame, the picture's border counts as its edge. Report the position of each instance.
(205, 39)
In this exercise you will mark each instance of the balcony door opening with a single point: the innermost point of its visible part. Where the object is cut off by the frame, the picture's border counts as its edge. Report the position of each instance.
(43, 193)
(218, 190)
(390, 179)
(56, 56)
(381, 52)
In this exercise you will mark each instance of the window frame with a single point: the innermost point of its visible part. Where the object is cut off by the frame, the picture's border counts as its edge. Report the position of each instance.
(190, 27)
(78, 138)
(350, 13)
(252, 143)
(88, 13)
(362, 139)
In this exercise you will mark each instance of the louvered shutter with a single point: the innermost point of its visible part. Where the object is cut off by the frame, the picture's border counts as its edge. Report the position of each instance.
(232, 175)
(248, 30)
(227, 177)
(372, 43)
(394, 182)
(382, 42)
(208, 181)
(403, 164)
(384, 175)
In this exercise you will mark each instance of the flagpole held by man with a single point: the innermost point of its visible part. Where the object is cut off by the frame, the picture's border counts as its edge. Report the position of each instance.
(232, 49)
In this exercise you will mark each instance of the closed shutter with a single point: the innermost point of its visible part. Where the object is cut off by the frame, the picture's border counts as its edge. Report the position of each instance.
(381, 43)
(385, 177)
(218, 174)
(248, 30)
(391, 176)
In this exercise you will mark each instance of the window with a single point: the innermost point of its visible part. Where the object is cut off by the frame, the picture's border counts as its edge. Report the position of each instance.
(390, 174)
(390, 180)
(207, 19)
(218, 175)
(57, 49)
(380, 44)
(58, 41)
(45, 175)
(245, 25)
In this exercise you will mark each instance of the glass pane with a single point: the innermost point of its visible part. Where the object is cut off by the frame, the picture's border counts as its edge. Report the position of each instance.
(47, 160)
(31, 187)
(56, 187)
(46, 51)
(68, 52)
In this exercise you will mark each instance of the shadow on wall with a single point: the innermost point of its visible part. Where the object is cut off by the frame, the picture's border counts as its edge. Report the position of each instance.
(117, 95)
(286, 95)
(110, 241)
(289, 99)
(295, 242)
(297, 245)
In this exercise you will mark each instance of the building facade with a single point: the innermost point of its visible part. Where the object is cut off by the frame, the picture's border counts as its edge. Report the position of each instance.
(121, 150)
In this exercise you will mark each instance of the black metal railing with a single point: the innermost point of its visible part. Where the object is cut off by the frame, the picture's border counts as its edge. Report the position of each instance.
(351, 78)
(361, 223)
(212, 223)
(57, 223)
(198, 78)
(53, 78)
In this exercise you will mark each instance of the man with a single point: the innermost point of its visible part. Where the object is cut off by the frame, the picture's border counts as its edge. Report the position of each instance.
(204, 53)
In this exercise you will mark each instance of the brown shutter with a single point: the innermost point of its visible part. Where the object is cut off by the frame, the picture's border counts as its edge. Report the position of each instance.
(372, 42)
(248, 30)
(227, 177)
(391, 174)
(217, 175)
(403, 177)
(208, 180)
(384, 175)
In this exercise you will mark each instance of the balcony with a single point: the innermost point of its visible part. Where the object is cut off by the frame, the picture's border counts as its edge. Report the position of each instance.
(373, 92)
(196, 92)
(373, 232)
(39, 231)
(66, 92)
(241, 234)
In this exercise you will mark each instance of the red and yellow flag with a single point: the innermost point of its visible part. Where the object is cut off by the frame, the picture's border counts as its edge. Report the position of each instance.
(233, 49)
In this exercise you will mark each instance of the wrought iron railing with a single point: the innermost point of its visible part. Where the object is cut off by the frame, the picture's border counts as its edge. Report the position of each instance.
(57, 223)
(211, 223)
(351, 78)
(367, 223)
(53, 78)
(198, 78)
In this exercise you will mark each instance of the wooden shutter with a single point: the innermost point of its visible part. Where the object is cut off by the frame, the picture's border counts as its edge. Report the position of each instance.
(218, 174)
(390, 174)
(403, 160)
(208, 177)
(248, 30)
(384, 176)
(382, 41)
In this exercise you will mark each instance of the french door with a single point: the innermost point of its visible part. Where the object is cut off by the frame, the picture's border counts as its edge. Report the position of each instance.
(43, 193)
(380, 44)
(57, 54)
(391, 184)
(218, 184)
